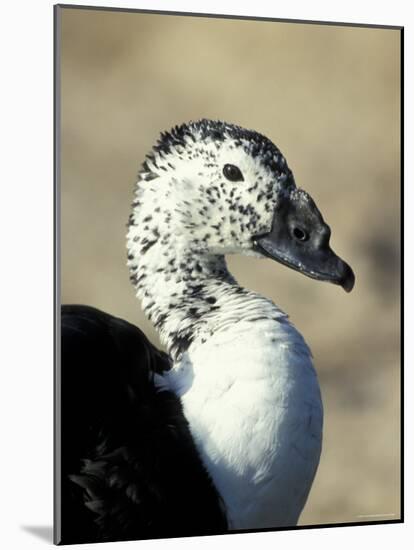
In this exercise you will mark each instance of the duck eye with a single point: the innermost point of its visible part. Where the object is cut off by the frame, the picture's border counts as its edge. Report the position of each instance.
(300, 234)
(232, 173)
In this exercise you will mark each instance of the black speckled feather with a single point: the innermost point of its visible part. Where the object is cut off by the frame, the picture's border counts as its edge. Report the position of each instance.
(257, 144)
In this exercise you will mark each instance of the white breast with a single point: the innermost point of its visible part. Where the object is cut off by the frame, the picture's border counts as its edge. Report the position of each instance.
(252, 400)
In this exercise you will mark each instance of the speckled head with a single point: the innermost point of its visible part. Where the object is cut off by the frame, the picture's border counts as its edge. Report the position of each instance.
(255, 145)
(213, 188)
(210, 184)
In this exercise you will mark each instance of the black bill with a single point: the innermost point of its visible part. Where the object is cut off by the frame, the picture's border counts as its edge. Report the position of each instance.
(300, 239)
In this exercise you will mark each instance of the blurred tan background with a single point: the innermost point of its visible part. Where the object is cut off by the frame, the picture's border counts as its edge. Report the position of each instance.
(329, 97)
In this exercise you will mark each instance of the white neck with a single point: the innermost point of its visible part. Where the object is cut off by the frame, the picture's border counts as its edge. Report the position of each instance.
(252, 400)
(188, 294)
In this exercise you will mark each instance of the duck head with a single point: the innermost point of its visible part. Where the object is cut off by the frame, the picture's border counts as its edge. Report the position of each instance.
(212, 188)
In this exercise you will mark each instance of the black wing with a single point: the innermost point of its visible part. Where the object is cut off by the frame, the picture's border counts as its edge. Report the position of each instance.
(129, 467)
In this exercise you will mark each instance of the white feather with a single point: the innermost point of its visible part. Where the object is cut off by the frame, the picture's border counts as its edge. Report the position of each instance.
(252, 400)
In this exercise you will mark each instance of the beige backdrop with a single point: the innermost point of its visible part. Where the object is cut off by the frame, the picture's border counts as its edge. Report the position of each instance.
(329, 98)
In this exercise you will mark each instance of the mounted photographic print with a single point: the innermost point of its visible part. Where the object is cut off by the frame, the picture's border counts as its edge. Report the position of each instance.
(228, 339)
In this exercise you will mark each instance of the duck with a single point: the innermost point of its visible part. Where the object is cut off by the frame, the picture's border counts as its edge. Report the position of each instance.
(222, 431)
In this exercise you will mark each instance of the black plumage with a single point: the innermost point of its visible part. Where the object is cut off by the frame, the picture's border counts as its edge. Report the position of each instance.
(129, 466)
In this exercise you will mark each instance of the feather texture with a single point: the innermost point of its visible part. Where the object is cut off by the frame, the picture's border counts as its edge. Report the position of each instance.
(127, 452)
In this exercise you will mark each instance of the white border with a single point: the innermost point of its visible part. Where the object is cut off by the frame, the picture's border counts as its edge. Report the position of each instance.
(26, 253)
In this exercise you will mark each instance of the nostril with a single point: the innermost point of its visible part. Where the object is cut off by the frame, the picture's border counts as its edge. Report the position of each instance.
(300, 234)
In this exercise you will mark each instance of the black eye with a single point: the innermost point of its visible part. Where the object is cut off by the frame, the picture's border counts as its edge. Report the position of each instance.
(300, 234)
(232, 173)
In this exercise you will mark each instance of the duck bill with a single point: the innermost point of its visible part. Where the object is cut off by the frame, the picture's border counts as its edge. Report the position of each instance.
(299, 239)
